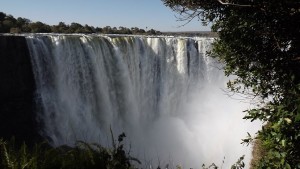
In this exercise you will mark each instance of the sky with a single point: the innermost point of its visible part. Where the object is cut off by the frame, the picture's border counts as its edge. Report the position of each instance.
(150, 14)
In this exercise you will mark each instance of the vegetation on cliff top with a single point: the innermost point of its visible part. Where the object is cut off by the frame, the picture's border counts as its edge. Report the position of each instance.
(259, 42)
(9, 24)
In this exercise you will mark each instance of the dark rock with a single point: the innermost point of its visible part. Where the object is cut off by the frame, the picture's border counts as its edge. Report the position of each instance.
(17, 87)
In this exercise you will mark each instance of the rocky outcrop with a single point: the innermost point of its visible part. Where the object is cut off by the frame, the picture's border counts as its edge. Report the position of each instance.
(17, 86)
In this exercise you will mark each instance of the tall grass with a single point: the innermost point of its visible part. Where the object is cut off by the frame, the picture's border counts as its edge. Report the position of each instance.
(81, 156)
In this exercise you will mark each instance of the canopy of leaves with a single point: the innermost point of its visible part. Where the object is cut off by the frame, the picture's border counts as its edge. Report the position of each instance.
(259, 41)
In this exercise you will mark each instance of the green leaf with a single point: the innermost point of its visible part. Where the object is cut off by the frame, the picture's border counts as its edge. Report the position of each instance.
(297, 118)
(283, 143)
(277, 155)
(287, 166)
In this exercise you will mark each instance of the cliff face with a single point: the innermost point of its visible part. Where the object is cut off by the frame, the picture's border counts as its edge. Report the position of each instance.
(17, 86)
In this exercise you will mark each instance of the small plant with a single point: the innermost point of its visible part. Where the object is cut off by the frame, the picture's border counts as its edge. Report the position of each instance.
(212, 166)
(239, 164)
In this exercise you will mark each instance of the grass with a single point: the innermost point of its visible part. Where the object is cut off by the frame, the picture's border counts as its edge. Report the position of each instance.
(81, 156)
(258, 151)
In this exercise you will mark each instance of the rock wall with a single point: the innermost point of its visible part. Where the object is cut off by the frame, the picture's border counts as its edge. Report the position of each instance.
(17, 86)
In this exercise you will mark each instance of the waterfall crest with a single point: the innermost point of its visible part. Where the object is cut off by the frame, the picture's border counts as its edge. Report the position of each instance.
(163, 92)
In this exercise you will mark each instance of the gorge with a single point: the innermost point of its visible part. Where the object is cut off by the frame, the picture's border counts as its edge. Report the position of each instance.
(164, 92)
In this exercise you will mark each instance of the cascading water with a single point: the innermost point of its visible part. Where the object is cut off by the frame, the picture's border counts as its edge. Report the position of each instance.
(163, 92)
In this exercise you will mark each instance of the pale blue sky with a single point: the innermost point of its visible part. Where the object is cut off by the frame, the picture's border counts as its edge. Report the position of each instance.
(127, 13)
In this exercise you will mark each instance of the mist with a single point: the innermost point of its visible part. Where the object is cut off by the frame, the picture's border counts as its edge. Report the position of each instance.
(207, 128)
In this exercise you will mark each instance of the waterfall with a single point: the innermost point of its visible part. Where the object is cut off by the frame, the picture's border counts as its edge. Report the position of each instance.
(165, 93)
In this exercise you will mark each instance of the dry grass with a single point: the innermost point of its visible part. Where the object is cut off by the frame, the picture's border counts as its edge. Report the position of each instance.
(257, 153)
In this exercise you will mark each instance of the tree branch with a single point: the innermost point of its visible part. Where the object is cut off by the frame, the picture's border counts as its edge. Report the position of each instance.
(226, 3)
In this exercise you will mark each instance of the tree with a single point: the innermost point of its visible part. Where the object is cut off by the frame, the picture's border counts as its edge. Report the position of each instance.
(75, 28)
(22, 21)
(11, 19)
(107, 29)
(151, 32)
(123, 30)
(6, 25)
(88, 29)
(2, 16)
(98, 30)
(6, 22)
(39, 27)
(60, 28)
(259, 41)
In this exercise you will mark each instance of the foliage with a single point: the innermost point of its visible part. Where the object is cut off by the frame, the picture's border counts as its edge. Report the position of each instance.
(212, 166)
(9, 24)
(238, 165)
(83, 155)
(259, 42)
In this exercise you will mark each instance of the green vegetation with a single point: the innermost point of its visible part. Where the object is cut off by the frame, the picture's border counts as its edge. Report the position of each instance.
(82, 156)
(259, 41)
(9, 24)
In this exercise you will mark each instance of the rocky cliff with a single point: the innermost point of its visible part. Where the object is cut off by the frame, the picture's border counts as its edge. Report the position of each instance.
(17, 86)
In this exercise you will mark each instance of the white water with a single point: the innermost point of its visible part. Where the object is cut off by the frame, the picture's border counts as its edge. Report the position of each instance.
(163, 92)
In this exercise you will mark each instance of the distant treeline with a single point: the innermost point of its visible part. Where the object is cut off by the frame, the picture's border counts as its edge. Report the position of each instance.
(192, 34)
(9, 24)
